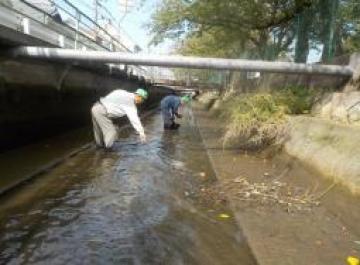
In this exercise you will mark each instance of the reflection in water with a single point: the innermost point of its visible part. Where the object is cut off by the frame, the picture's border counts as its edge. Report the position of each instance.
(130, 206)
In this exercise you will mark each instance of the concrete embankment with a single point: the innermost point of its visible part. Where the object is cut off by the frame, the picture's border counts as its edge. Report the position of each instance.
(331, 148)
(323, 234)
(42, 99)
(47, 154)
(43, 108)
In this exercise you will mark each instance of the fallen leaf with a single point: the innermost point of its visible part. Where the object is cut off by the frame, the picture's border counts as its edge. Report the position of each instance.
(224, 215)
(353, 260)
(318, 242)
(238, 180)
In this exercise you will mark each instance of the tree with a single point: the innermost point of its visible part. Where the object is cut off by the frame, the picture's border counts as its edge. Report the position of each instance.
(328, 12)
(241, 24)
(348, 27)
(304, 26)
(257, 29)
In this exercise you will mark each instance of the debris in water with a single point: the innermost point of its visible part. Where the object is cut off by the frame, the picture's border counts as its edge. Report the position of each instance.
(318, 242)
(273, 192)
(177, 164)
(95, 240)
(238, 180)
(224, 216)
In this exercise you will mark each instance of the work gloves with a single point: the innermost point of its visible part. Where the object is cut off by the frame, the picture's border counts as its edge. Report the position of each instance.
(143, 138)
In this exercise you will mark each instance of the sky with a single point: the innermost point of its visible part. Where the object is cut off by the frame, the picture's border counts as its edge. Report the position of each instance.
(135, 20)
(133, 23)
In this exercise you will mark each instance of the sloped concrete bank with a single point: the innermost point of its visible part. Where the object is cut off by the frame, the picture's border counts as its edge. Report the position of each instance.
(331, 148)
(323, 234)
(327, 140)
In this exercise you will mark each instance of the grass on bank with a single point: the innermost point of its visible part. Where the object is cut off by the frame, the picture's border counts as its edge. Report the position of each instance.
(257, 120)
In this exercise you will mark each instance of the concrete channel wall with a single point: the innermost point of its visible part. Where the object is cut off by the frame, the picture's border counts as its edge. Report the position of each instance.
(266, 81)
(38, 99)
(328, 138)
(331, 148)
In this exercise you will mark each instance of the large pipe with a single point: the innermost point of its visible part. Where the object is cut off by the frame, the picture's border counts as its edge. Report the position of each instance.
(56, 54)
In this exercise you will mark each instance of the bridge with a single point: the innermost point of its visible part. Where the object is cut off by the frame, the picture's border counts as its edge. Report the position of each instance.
(23, 23)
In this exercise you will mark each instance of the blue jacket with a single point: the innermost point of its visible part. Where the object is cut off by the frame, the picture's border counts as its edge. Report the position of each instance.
(170, 104)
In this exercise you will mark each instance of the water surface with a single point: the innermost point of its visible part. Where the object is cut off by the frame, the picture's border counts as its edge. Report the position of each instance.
(139, 204)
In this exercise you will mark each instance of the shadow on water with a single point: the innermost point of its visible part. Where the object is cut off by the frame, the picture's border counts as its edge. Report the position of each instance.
(135, 205)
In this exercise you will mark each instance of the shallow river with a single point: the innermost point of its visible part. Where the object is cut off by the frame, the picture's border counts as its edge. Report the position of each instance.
(139, 204)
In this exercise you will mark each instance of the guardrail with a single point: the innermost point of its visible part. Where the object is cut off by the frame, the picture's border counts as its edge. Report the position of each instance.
(78, 31)
(113, 44)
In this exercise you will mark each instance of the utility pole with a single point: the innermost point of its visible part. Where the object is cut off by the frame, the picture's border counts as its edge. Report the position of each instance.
(125, 7)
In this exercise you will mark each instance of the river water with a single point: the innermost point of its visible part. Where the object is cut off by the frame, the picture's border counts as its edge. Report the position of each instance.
(138, 204)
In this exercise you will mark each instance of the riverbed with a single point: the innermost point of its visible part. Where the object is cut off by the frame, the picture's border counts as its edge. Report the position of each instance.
(138, 204)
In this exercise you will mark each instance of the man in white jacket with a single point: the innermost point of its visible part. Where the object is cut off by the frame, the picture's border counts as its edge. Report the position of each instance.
(116, 104)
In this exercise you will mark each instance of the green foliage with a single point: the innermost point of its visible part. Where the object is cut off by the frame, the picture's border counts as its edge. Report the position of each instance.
(297, 99)
(208, 98)
(350, 12)
(169, 20)
(257, 120)
(253, 120)
(229, 28)
(258, 29)
(353, 44)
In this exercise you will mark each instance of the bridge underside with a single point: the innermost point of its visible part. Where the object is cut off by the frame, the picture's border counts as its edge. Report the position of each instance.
(38, 99)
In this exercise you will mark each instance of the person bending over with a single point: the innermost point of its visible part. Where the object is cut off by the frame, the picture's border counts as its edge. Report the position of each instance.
(117, 104)
(170, 110)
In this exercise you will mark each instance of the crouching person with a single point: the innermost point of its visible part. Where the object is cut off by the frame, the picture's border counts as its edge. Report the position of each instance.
(170, 110)
(116, 104)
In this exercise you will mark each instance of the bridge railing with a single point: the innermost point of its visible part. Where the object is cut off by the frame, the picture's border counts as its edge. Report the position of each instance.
(74, 30)
(83, 24)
